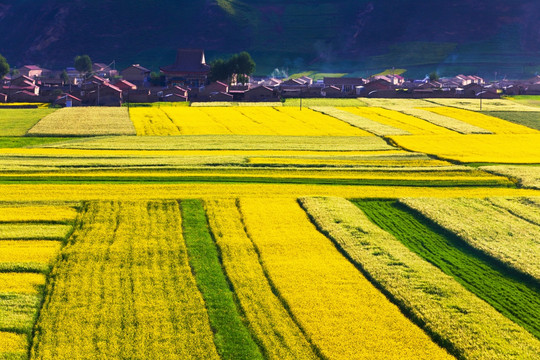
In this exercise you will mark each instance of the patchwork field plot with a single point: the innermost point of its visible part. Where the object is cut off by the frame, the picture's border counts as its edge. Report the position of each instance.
(526, 118)
(461, 321)
(16, 122)
(283, 121)
(84, 122)
(224, 232)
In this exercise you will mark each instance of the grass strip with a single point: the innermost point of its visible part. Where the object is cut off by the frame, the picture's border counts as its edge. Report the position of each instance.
(466, 325)
(232, 338)
(280, 336)
(530, 119)
(506, 291)
(19, 142)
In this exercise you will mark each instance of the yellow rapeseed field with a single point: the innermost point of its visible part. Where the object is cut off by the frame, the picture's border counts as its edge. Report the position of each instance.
(511, 149)
(21, 251)
(21, 283)
(258, 121)
(11, 343)
(332, 161)
(493, 124)
(152, 121)
(125, 290)
(33, 231)
(78, 192)
(399, 120)
(342, 313)
(37, 213)
(487, 104)
(270, 322)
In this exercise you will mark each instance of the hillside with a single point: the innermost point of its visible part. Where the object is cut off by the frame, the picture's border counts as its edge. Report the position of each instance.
(482, 37)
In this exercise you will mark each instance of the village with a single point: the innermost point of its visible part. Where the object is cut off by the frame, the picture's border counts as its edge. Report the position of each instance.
(187, 79)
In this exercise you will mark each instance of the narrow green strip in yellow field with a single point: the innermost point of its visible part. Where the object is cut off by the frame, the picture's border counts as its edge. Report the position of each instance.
(342, 313)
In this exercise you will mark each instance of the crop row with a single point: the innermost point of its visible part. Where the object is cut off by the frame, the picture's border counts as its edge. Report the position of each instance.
(528, 176)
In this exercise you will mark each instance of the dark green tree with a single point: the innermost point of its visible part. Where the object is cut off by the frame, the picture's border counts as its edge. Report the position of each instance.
(157, 79)
(219, 70)
(433, 76)
(64, 76)
(83, 64)
(4, 67)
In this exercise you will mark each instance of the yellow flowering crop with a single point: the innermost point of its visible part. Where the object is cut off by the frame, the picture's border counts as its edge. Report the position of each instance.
(152, 121)
(342, 313)
(398, 120)
(270, 322)
(493, 124)
(78, 192)
(11, 343)
(125, 289)
(33, 231)
(37, 213)
(355, 161)
(20, 251)
(477, 148)
(87, 121)
(258, 121)
(21, 283)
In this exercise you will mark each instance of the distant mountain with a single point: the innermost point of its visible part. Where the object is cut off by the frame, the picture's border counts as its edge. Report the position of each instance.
(471, 36)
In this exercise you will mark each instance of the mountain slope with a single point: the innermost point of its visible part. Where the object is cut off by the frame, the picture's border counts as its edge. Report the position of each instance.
(481, 36)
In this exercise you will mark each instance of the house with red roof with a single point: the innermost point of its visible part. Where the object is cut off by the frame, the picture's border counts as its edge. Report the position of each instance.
(33, 71)
(189, 69)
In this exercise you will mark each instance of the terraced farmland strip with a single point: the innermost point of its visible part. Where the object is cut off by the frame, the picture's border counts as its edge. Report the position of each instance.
(16, 122)
(396, 119)
(22, 231)
(450, 123)
(528, 176)
(341, 312)
(85, 121)
(510, 149)
(459, 319)
(49, 214)
(360, 122)
(18, 311)
(511, 295)
(493, 124)
(279, 335)
(124, 289)
(490, 229)
(152, 121)
(232, 338)
(229, 142)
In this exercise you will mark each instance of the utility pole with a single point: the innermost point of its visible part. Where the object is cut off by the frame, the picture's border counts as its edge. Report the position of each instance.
(98, 86)
(300, 104)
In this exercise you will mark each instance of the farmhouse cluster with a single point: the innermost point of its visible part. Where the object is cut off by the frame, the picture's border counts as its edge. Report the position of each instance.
(187, 79)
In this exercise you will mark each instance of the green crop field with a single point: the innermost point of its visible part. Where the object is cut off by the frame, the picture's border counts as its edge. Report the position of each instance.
(348, 229)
